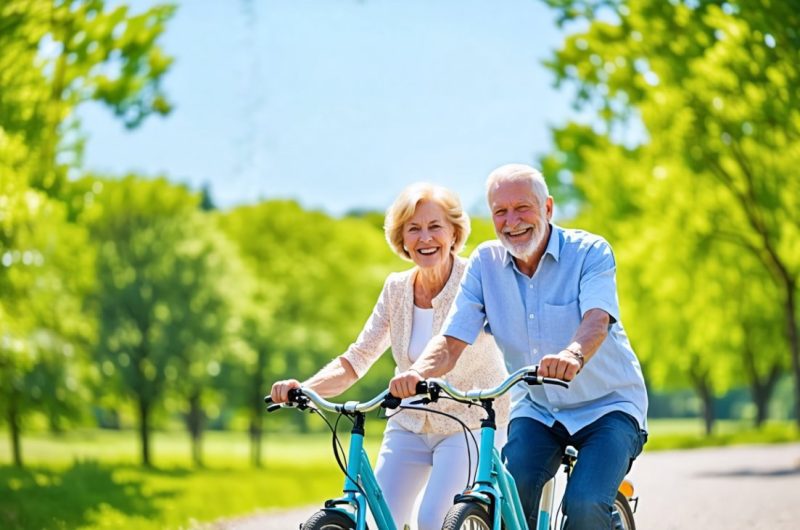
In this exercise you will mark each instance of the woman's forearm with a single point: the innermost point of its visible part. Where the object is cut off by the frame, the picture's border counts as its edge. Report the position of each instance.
(333, 379)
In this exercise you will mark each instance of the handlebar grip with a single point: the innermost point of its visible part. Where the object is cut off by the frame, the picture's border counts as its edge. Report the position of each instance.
(552, 381)
(268, 400)
(273, 407)
(391, 402)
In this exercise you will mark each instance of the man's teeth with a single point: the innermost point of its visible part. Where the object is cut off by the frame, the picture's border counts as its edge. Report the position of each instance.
(518, 232)
(427, 251)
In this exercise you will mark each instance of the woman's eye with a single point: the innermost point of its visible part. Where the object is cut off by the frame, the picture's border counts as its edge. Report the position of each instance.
(413, 229)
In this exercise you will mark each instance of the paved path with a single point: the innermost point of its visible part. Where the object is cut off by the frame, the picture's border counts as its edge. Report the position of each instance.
(704, 489)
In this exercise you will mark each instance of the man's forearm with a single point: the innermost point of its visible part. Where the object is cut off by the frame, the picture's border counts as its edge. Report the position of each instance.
(439, 357)
(591, 333)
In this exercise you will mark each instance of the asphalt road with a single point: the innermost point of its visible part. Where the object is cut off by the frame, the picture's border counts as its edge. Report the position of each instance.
(702, 489)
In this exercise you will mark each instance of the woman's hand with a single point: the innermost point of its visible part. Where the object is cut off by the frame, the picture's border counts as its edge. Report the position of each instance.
(405, 384)
(280, 390)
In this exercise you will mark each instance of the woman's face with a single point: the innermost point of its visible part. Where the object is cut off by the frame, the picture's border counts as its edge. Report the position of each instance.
(428, 236)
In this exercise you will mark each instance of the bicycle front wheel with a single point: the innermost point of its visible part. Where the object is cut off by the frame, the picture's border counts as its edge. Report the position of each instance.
(329, 520)
(467, 516)
(622, 514)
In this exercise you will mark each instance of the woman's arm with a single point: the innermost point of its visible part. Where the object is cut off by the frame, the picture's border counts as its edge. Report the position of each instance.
(333, 379)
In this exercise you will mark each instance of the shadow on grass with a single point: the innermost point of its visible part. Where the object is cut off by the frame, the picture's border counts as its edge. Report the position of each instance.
(50, 499)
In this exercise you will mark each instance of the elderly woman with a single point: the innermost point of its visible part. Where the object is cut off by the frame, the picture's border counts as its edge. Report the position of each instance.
(426, 225)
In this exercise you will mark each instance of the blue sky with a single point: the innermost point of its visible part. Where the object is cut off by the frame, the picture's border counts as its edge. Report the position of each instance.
(342, 103)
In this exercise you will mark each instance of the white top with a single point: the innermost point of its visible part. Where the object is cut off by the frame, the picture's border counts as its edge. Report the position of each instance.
(421, 332)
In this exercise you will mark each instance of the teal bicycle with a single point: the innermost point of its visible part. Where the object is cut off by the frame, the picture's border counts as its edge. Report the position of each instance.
(492, 502)
(361, 490)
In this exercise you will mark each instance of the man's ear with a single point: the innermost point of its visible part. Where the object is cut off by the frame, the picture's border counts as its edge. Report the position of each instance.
(549, 207)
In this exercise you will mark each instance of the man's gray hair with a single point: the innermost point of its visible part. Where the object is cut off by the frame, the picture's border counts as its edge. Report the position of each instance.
(515, 172)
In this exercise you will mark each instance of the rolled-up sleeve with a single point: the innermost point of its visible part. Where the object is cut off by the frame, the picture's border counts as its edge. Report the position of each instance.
(468, 314)
(598, 282)
(374, 339)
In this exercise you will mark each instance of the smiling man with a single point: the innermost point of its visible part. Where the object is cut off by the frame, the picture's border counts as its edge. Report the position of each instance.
(549, 297)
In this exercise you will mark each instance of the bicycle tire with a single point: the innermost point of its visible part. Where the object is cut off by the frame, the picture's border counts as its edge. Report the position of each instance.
(623, 510)
(329, 520)
(467, 516)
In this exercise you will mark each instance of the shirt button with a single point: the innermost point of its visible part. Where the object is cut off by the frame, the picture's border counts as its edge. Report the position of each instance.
(530, 285)
(536, 350)
(531, 316)
(555, 409)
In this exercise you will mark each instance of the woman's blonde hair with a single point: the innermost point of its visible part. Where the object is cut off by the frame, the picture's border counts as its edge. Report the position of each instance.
(404, 206)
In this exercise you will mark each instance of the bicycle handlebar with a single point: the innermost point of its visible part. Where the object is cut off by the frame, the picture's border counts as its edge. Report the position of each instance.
(299, 397)
(528, 374)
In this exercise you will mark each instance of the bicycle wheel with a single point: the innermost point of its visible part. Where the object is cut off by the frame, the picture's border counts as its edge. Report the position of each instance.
(467, 516)
(622, 514)
(329, 520)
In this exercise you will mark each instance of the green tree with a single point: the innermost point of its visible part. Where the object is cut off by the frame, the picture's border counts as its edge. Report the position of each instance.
(201, 328)
(156, 296)
(317, 281)
(43, 282)
(58, 54)
(710, 85)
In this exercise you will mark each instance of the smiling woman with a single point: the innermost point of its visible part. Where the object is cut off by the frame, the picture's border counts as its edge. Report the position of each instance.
(426, 225)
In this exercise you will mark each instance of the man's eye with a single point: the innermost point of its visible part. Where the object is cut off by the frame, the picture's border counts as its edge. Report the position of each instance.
(500, 212)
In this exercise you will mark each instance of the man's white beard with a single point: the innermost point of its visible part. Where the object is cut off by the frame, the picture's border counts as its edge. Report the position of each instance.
(527, 250)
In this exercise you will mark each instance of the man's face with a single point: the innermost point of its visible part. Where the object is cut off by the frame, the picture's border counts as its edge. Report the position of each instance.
(520, 221)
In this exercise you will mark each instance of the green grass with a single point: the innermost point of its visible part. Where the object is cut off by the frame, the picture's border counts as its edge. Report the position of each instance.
(91, 480)
(689, 433)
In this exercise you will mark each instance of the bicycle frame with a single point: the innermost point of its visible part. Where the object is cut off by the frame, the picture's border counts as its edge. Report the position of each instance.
(361, 489)
(359, 468)
(494, 486)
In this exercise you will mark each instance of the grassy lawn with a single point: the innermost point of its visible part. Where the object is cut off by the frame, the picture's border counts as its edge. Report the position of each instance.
(91, 480)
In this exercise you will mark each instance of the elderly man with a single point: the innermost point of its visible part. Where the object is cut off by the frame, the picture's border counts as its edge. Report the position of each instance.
(548, 295)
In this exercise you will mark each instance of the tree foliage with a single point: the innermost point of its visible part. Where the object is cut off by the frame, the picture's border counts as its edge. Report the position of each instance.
(695, 146)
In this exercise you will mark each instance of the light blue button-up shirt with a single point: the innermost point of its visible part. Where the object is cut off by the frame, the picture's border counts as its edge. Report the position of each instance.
(535, 316)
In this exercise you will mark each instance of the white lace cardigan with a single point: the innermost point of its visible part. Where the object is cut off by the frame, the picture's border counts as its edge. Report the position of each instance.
(480, 365)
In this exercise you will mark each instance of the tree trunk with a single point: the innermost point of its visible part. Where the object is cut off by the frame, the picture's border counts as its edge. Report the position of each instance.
(144, 429)
(703, 389)
(14, 428)
(762, 392)
(255, 438)
(794, 342)
(257, 410)
(760, 388)
(708, 408)
(195, 424)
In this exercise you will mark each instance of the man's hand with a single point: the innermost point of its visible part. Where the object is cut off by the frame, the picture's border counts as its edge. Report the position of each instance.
(280, 390)
(564, 365)
(405, 384)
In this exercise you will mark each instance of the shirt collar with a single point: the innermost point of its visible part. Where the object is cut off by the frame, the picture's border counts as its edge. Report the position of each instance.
(553, 246)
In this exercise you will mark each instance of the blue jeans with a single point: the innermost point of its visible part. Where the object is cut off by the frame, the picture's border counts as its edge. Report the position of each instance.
(607, 448)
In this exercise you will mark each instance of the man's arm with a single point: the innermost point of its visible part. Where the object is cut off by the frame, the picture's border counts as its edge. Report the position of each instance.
(438, 358)
(591, 333)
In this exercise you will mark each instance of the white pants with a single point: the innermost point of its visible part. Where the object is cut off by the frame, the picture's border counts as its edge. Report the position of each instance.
(409, 462)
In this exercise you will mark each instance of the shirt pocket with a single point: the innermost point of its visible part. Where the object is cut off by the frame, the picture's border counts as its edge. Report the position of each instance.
(560, 322)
